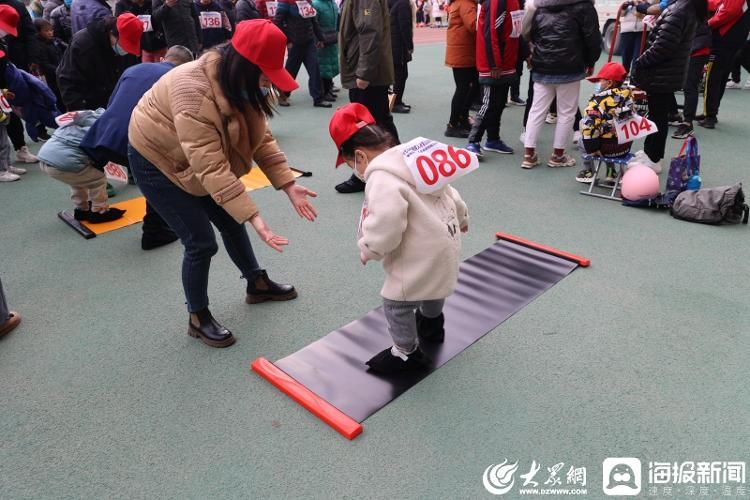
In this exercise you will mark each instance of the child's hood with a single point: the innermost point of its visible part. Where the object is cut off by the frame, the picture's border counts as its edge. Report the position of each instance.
(392, 161)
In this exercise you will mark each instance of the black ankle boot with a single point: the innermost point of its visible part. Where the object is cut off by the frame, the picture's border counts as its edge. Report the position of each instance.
(263, 289)
(431, 329)
(210, 332)
(353, 185)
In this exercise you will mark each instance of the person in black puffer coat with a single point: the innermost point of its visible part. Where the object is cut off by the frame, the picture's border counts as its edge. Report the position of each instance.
(402, 45)
(298, 21)
(153, 43)
(246, 10)
(90, 67)
(565, 44)
(662, 67)
(699, 56)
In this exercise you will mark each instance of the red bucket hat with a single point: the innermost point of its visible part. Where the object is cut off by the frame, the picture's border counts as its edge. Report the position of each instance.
(347, 121)
(130, 29)
(610, 71)
(262, 43)
(9, 20)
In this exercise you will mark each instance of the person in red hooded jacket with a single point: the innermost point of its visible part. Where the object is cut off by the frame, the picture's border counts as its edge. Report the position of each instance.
(730, 24)
(497, 55)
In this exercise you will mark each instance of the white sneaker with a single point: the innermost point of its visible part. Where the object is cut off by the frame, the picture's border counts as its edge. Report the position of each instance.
(522, 138)
(551, 118)
(6, 176)
(642, 158)
(576, 137)
(16, 170)
(23, 155)
(731, 84)
(747, 85)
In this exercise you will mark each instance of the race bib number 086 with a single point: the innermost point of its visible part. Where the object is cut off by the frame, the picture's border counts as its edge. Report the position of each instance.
(434, 164)
(635, 127)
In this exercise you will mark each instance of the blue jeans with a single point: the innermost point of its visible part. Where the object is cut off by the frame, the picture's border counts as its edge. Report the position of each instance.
(306, 54)
(191, 217)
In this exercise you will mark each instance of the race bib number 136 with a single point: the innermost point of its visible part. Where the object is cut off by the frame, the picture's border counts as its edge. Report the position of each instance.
(434, 164)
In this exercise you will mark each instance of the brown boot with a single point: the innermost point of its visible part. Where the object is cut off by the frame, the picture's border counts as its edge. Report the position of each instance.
(10, 324)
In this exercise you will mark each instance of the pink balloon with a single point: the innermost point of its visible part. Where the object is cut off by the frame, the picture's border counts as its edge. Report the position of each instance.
(639, 182)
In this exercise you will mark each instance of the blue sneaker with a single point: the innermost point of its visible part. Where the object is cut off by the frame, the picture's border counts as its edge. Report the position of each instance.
(498, 146)
(475, 148)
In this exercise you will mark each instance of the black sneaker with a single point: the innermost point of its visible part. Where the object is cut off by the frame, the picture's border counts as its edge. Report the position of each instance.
(80, 214)
(684, 130)
(430, 329)
(108, 216)
(401, 108)
(585, 176)
(708, 122)
(152, 240)
(456, 131)
(676, 119)
(386, 363)
(264, 289)
(330, 97)
(322, 104)
(353, 185)
(516, 101)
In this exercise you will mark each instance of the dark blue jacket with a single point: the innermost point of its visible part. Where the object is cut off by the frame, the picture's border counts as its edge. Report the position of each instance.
(107, 139)
(214, 36)
(37, 102)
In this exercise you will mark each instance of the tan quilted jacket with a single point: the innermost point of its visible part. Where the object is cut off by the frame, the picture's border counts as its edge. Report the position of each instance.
(185, 126)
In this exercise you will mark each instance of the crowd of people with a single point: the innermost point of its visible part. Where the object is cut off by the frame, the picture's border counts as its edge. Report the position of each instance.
(179, 92)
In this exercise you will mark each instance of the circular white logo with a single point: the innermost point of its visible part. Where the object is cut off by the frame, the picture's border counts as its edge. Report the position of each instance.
(498, 479)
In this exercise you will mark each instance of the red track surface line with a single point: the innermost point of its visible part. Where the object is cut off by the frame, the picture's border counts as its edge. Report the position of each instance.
(582, 261)
(342, 423)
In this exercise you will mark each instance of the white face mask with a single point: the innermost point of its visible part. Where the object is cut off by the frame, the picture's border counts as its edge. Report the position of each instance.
(359, 175)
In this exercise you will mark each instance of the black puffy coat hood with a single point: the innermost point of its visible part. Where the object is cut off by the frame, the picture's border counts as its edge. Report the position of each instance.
(662, 66)
(565, 36)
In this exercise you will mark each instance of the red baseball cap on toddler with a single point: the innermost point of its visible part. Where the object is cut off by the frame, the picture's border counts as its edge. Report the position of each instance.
(130, 29)
(347, 121)
(610, 71)
(262, 43)
(9, 20)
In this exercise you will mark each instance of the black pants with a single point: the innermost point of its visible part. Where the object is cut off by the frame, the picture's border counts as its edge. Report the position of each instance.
(488, 116)
(659, 106)
(15, 132)
(465, 79)
(306, 54)
(375, 99)
(401, 72)
(724, 55)
(741, 61)
(327, 85)
(515, 88)
(630, 47)
(691, 86)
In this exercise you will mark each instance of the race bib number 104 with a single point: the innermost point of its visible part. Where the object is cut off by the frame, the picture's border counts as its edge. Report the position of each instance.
(635, 127)
(434, 164)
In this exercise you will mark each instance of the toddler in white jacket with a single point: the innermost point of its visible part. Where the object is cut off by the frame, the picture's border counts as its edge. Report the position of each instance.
(416, 235)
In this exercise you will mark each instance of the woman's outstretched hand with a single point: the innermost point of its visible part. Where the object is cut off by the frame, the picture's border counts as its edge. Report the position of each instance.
(298, 196)
(269, 238)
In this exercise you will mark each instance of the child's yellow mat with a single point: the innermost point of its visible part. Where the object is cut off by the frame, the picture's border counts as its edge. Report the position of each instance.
(135, 209)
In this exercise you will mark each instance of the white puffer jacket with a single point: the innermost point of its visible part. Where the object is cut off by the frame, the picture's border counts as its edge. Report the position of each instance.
(418, 236)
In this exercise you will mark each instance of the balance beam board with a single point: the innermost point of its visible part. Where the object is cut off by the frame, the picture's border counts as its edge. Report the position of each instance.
(135, 209)
(329, 377)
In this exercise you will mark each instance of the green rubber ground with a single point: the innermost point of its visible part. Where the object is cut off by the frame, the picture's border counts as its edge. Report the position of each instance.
(644, 354)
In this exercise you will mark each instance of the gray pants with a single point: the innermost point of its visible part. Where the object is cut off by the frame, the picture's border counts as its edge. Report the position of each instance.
(402, 324)
(4, 312)
(5, 149)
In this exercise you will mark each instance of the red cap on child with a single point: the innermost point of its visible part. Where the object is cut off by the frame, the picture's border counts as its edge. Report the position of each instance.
(130, 29)
(262, 43)
(610, 71)
(347, 121)
(9, 20)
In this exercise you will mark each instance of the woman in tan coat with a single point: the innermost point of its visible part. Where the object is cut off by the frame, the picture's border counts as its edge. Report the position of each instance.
(192, 136)
(460, 54)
